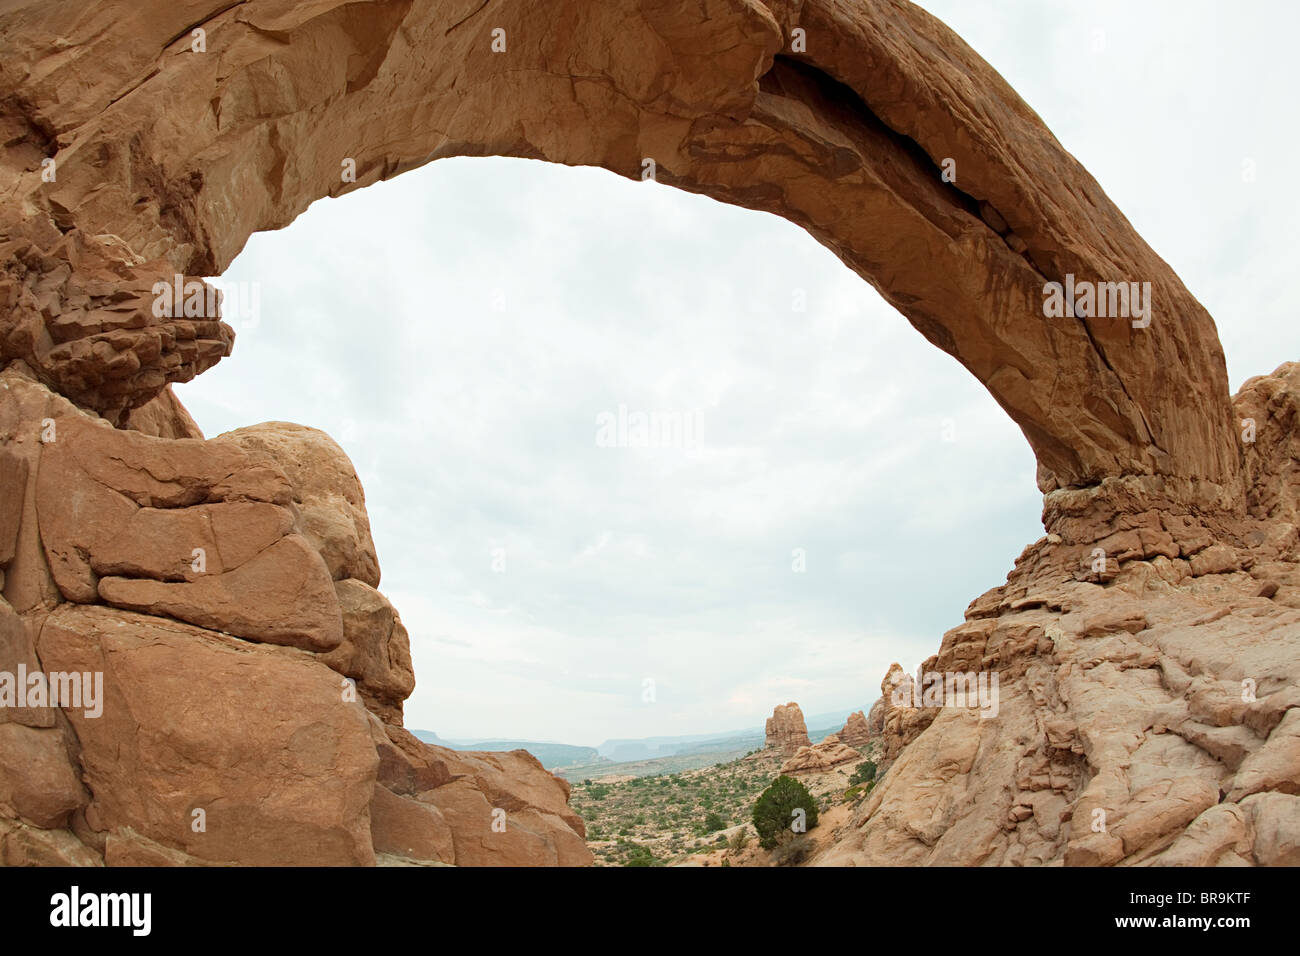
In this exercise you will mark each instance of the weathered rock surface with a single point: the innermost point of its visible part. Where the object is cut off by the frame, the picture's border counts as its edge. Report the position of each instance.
(375, 652)
(502, 809)
(884, 135)
(1148, 718)
(195, 530)
(18, 655)
(1267, 410)
(259, 736)
(786, 730)
(163, 416)
(329, 505)
(269, 763)
(281, 596)
(37, 784)
(820, 757)
(22, 845)
(81, 313)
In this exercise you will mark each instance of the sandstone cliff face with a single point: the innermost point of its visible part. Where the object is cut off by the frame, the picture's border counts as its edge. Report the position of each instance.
(253, 676)
(136, 158)
(1148, 716)
(785, 730)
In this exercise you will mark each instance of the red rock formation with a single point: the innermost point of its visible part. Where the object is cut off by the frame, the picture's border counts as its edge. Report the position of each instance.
(1267, 412)
(785, 730)
(81, 313)
(224, 590)
(818, 758)
(855, 732)
(887, 138)
(1145, 718)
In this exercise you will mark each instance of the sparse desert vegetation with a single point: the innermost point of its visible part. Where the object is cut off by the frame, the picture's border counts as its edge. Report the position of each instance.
(703, 816)
(786, 799)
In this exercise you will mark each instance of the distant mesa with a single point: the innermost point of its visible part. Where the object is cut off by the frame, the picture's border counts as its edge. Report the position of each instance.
(552, 756)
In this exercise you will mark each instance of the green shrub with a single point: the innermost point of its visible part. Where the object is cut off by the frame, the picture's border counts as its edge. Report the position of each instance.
(714, 822)
(739, 840)
(865, 772)
(637, 855)
(774, 811)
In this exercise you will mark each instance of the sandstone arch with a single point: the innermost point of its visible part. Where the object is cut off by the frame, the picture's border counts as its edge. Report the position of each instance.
(183, 155)
(1121, 682)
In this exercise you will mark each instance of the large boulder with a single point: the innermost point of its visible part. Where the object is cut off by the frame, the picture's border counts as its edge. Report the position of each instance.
(37, 782)
(328, 502)
(502, 809)
(375, 652)
(192, 529)
(261, 760)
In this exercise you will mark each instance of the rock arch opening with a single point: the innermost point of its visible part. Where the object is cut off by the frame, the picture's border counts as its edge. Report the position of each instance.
(620, 300)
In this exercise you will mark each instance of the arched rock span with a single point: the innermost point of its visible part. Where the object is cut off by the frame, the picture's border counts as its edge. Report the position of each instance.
(183, 155)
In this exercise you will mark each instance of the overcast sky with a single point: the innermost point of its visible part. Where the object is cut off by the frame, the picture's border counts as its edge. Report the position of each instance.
(461, 330)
